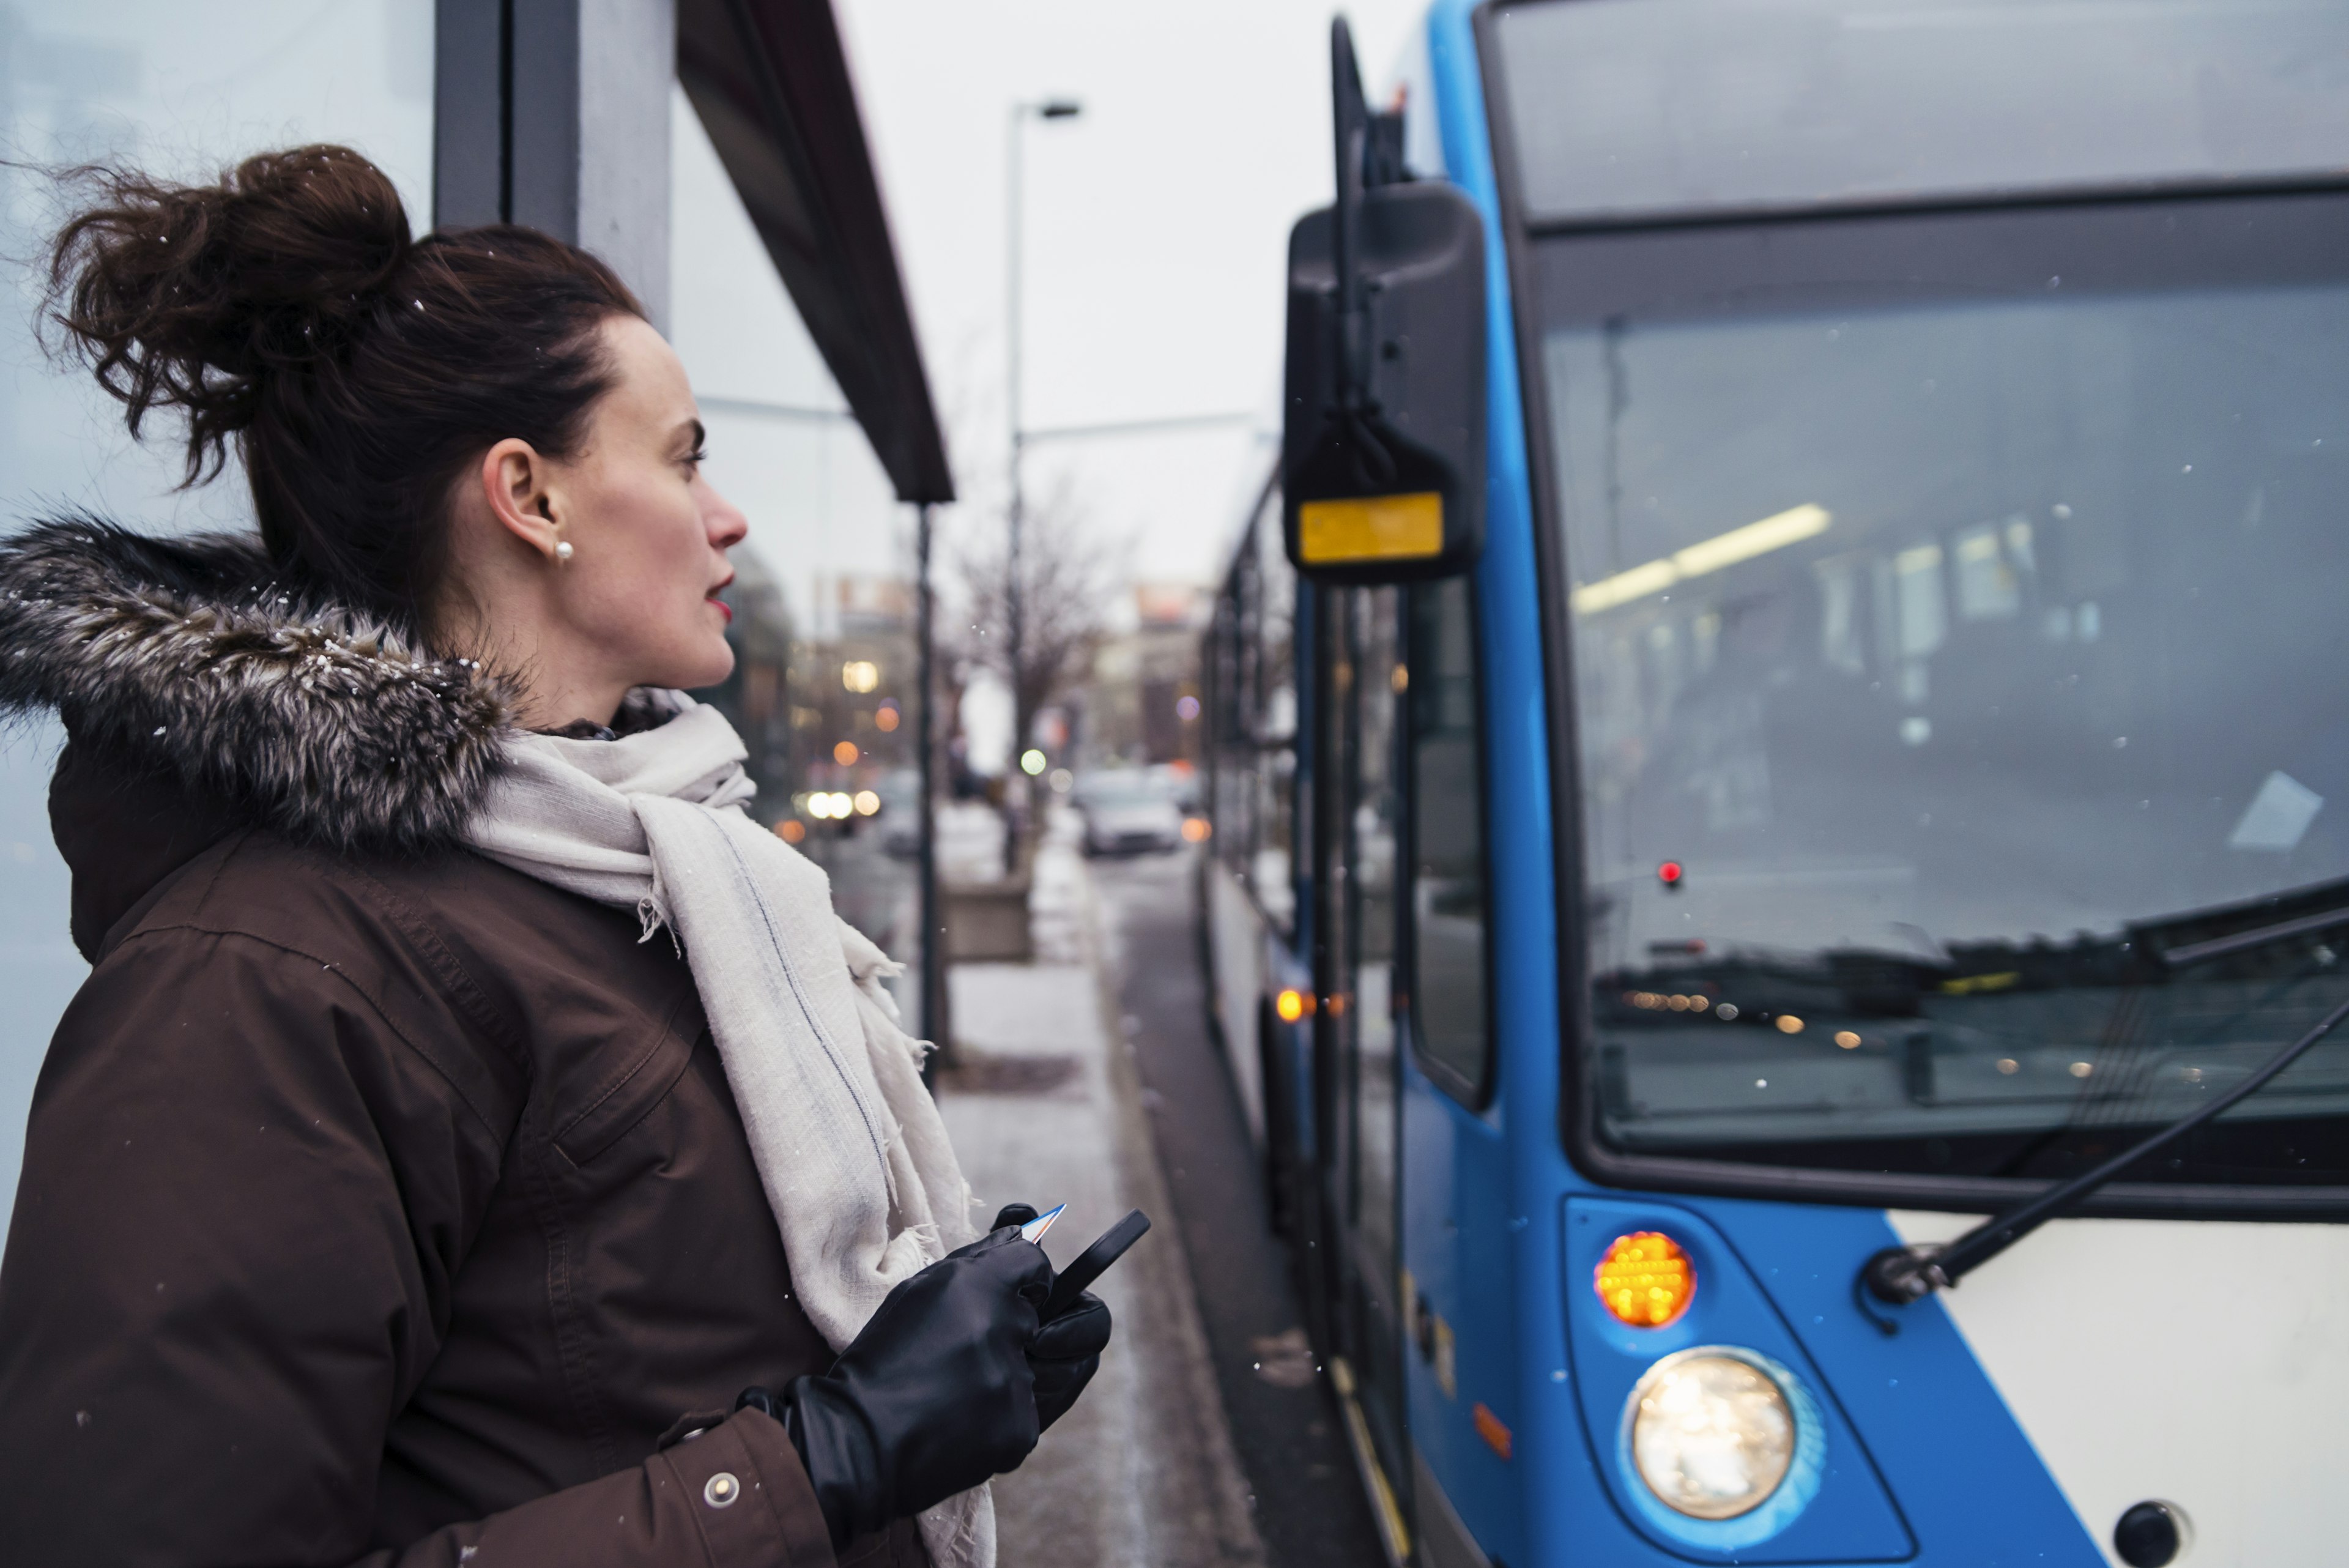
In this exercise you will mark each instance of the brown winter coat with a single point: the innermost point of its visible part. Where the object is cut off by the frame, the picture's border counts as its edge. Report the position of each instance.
(380, 1205)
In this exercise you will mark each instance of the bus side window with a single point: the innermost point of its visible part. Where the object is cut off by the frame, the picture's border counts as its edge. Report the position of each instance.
(1250, 665)
(1273, 866)
(1447, 834)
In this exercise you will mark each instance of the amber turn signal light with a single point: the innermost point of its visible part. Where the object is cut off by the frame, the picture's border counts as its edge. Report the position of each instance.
(1645, 1280)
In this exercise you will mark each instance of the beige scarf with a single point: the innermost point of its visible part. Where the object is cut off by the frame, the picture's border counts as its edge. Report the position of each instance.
(848, 1143)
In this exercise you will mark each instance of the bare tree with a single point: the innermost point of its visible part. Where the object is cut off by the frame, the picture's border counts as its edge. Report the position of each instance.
(1066, 577)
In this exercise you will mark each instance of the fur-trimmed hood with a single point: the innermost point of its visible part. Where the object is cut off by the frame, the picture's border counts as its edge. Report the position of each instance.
(191, 659)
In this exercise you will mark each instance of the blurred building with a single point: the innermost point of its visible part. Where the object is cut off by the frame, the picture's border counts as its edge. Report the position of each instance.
(1140, 704)
(824, 703)
(713, 152)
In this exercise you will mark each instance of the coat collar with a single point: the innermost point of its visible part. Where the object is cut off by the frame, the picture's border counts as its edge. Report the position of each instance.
(193, 658)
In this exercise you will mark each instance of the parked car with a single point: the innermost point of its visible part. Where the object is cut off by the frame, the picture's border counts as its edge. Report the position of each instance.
(1126, 811)
(901, 812)
(1179, 782)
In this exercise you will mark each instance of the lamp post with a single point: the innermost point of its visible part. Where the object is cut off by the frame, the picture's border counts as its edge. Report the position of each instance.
(1014, 609)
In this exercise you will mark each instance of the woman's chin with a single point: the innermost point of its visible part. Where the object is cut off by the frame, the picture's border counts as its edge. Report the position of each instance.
(712, 667)
(690, 665)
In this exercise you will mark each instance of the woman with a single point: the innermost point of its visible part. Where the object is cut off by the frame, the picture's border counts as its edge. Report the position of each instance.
(476, 1141)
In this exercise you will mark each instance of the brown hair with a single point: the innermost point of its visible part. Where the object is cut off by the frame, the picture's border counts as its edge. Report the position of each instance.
(361, 372)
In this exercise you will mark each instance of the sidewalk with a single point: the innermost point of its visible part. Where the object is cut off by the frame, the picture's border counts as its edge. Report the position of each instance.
(1044, 1108)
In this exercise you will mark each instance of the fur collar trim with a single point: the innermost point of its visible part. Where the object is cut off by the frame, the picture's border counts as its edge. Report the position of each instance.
(190, 656)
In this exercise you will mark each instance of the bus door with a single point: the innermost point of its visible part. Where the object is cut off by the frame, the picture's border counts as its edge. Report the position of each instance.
(1362, 680)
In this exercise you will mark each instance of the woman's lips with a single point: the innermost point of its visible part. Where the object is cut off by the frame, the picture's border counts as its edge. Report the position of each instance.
(723, 608)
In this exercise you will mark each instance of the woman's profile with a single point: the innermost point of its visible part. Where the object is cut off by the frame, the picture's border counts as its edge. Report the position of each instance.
(476, 1140)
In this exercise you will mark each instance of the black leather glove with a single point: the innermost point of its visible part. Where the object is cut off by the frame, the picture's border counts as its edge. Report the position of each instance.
(1067, 1351)
(934, 1397)
(1065, 1354)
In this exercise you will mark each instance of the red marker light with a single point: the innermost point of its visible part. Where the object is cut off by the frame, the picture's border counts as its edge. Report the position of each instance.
(1669, 873)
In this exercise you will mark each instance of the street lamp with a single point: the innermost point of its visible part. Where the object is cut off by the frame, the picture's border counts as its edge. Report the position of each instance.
(1021, 113)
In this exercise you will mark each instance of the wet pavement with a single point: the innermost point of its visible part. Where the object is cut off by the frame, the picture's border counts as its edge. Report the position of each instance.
(1043, 1105)
(1285, 1426)
(1090, 1076)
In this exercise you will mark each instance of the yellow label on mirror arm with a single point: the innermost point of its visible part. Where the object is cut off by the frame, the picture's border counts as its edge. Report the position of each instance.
(1375, 528)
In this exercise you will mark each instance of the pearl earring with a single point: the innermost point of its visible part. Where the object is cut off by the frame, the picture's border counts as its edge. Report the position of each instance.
(562, 551)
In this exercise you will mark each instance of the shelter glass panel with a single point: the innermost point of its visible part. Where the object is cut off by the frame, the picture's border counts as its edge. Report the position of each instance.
(827, 686)
(182, 91)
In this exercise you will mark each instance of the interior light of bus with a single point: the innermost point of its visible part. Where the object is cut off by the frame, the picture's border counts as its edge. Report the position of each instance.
(1292, 1004)
(1846, 1039)
(1645, 1280)
(1775, 532)
(1671, 872)
(1789, 1024)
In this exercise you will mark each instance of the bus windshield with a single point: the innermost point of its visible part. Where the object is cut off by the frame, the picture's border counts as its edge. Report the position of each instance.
(1958, 606)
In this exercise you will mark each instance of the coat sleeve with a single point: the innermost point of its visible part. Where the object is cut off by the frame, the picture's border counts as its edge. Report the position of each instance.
(248, 1185)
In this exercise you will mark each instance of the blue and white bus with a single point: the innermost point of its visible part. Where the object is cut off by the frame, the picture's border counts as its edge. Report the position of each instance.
(1780, 776)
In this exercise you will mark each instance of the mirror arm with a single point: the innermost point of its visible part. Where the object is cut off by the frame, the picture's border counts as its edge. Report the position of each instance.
(1348, 110)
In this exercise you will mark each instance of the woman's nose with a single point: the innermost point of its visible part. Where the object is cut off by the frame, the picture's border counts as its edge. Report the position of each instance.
(727, 526)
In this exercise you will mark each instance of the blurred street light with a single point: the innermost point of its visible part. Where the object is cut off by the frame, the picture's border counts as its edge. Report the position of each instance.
(1021, 113)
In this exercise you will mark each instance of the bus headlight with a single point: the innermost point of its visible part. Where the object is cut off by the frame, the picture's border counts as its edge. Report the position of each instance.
(1712, 1434)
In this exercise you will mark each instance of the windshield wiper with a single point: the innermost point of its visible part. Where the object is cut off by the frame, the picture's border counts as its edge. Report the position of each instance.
(1899, 1275)
(2259, 936)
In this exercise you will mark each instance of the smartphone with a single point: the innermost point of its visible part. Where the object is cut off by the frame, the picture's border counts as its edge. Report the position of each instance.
(1091, 1263)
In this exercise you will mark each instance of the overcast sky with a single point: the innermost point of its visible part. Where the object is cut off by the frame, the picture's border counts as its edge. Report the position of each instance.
(1157, 225)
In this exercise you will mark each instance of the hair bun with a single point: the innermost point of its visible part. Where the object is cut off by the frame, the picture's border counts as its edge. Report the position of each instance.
(194, 297)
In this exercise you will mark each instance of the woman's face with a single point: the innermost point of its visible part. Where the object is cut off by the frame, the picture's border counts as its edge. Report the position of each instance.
(636, 599)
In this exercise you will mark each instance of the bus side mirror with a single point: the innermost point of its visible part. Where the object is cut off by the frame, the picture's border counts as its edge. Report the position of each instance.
(1382, 440)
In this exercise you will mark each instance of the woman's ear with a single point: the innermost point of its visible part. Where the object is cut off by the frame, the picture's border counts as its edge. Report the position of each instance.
(517, 481)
